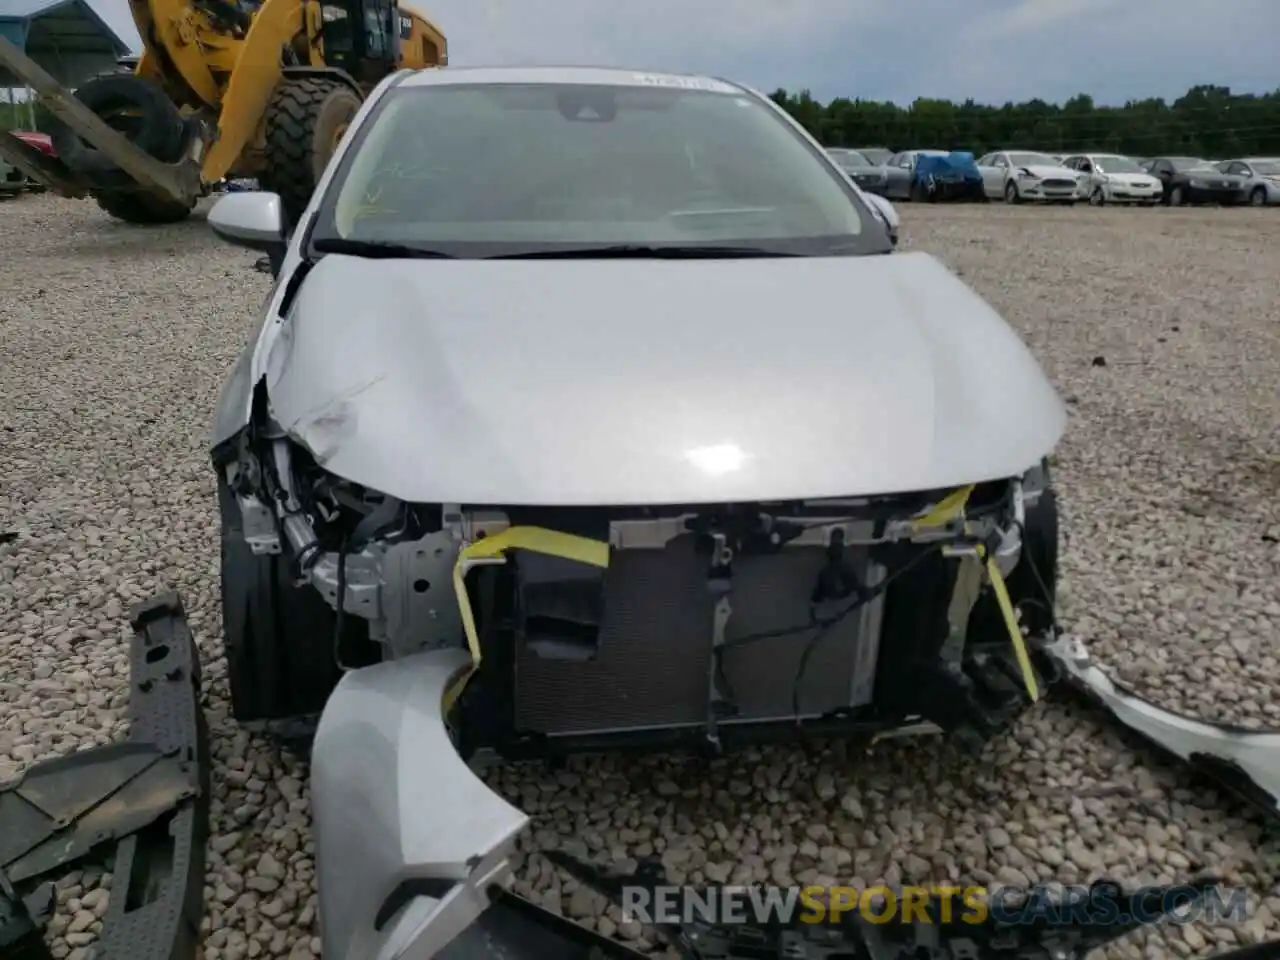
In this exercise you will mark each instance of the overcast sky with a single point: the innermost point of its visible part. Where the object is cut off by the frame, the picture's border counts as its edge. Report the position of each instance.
(991, 50)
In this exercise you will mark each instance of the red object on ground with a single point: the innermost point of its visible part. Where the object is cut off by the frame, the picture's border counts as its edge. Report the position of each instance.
(41, 141)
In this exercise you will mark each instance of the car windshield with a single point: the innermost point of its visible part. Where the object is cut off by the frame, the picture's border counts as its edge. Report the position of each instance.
(877, 156)
(1265, 168)
(851, 158)
(1192, 164)
(1033, 160)
(507, 169)
(1118, 165)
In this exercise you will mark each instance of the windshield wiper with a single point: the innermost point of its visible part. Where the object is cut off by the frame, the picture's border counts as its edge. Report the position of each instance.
(377, 249)
(636, 251)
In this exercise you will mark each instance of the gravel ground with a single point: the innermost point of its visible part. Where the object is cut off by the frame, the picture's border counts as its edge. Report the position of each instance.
(1162, 330)
(115, 341)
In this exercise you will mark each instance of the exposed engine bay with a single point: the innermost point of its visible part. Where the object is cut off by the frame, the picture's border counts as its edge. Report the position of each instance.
(591, 627)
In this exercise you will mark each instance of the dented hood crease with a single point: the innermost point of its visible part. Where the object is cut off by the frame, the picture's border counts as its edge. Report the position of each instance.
(643, 381)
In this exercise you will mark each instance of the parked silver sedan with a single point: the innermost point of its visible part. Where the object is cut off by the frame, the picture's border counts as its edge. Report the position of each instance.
(1262, 178)
(877, 155)
(900, 170)
(867, 174)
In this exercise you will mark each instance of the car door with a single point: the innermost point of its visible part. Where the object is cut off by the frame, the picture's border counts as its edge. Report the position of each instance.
(993, 183)
(898, 176)
(986, 171)
(1086, 166)
(1162, 170)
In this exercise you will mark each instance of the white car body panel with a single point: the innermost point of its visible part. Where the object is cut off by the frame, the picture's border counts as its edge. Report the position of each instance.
(1128, 187)
(648, 382)
(393, 802)
(1000, 170)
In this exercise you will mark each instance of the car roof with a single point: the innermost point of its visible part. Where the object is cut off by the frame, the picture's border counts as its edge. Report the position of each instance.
(584, 76)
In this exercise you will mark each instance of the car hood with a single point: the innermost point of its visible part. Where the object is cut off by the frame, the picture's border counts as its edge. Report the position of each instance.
(622, 382)
(1214, 175)
(1134, 179)
(1049, 172)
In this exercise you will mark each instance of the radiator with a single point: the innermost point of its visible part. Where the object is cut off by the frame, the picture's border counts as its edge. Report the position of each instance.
(652, 662)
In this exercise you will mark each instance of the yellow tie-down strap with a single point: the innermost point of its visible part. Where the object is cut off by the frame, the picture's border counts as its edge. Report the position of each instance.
(951, 507)
(553, 543)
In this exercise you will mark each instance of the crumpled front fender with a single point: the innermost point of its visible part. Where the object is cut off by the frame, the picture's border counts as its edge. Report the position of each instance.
(408, 840)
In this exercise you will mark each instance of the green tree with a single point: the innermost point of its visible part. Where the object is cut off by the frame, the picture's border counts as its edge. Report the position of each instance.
(1207, 120)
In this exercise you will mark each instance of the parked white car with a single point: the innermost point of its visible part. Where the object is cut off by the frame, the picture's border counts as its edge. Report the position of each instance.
(1262, 175)
(1112, 178)
(1018, 175)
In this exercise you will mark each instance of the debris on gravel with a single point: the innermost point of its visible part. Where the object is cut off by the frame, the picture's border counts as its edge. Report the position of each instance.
(116, 340)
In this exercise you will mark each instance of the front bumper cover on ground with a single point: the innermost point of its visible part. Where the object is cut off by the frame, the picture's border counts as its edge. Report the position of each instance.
(148, 795)
(408, 839)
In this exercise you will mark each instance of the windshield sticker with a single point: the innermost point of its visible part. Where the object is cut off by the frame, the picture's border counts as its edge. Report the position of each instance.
(684, 83)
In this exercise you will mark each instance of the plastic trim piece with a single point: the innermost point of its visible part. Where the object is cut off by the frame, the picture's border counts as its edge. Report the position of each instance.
(150, 795)
(1246, 762)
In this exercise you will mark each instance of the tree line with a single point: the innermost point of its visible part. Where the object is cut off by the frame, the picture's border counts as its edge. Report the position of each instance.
(1207, 121)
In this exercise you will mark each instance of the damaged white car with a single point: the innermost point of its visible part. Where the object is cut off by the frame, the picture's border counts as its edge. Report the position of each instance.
(593, 408)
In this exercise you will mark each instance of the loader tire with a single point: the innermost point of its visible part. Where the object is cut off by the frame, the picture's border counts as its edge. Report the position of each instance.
(304, 123)
(136, 107)
(143, 208)
(278, 638)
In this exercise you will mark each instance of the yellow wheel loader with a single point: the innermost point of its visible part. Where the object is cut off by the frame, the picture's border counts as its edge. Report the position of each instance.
(223, 89)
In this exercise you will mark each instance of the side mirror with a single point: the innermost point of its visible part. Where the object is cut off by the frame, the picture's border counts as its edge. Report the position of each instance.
(885, 211)
(252, 219)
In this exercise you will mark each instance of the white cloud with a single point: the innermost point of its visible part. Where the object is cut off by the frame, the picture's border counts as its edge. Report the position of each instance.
(1038, 16)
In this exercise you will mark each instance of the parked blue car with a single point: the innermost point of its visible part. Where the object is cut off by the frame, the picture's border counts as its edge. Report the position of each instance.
(954, 176)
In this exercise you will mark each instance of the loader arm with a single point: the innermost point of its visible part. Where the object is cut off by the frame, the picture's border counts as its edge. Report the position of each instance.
(175, 35)
(255, 75)
(212, 55)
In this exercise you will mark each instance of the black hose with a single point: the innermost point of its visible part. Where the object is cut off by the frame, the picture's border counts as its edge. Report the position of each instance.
(340, 604)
